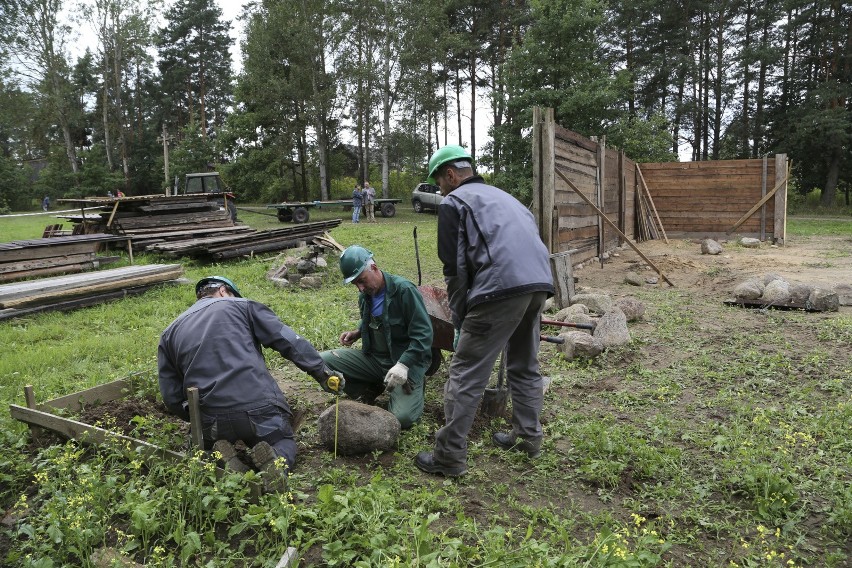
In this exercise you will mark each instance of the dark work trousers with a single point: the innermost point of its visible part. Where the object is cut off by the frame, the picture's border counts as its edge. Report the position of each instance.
(514, 322)
(267, 422)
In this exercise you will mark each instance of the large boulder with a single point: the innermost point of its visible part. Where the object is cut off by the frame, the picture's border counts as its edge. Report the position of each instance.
(799, 293)
(709, 246)
(578, 344)
(633, 309)
(565, 313)
(777, 291)
(361, 428)
(598, 303)
(844, 293)
(822, 300)
(749, 290)
(749, 242)
(611, 330)
(633, 279)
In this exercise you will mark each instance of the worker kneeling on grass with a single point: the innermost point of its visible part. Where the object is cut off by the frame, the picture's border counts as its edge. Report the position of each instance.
(395, 334)
(215, 346)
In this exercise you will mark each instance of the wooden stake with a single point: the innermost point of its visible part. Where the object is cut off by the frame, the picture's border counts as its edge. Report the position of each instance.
(613, 225)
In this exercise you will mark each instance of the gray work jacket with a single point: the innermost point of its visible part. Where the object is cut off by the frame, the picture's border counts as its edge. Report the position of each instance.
(215, 345)
(490, 247)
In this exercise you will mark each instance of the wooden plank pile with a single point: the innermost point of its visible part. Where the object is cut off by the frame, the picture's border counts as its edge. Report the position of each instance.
(70, 292)
(147, 214)
(53, 255)
(187, 225)
(217, 247)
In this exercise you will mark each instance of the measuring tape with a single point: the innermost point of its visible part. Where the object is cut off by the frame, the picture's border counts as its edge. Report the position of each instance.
(334, 384)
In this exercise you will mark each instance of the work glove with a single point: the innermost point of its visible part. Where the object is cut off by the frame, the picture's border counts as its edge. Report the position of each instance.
(397, 376)
(456, 339)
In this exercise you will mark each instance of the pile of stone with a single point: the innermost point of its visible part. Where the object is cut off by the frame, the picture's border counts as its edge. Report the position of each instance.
(302, 267)
(608, 316)
(774, 291)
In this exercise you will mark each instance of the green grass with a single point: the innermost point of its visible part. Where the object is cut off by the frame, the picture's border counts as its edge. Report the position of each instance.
(715, 438)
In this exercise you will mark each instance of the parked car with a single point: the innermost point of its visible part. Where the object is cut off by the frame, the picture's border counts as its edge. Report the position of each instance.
(426, 197)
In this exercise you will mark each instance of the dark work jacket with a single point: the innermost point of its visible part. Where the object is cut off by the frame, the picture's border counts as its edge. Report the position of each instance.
(490, 247)
(215, 345)
(406, 324)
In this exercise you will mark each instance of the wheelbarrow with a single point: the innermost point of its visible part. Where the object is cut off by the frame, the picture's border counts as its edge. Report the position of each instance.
(443, 332)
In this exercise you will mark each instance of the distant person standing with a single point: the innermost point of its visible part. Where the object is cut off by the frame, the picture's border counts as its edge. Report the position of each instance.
(357, 201)
(370, 202)
(45, 203)
(119, 193)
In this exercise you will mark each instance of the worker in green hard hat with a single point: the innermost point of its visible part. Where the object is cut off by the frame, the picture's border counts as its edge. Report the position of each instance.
(497, 272)
(396, 338)
(215, 346)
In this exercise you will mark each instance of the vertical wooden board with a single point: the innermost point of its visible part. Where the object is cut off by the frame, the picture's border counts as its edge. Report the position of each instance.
(547, 178)
(779, 234)
(536, 166)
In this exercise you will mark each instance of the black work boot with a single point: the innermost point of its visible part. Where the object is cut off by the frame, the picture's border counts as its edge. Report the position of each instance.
(425, 461)
(229, 457)
(511, 441)
(272, 468)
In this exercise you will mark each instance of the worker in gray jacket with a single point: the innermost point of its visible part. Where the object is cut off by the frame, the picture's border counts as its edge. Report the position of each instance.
(215, 346)
(498, 276)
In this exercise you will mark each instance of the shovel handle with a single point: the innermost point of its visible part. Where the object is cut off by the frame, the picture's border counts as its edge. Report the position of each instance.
(589, 326)
(551, 339)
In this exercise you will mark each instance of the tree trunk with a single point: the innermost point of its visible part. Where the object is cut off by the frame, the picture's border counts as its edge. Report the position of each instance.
(829, 191)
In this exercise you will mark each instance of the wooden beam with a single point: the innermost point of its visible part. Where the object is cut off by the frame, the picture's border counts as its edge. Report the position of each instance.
(611, 224)
(651, 201)
(782, 172)
(195, 429)
(758, 205)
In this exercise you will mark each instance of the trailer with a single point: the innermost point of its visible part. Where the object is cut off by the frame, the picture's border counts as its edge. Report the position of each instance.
(297, 212)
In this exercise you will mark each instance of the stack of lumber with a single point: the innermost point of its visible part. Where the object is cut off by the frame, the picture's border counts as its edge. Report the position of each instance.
(69, 292)
(53, 255)
(215, 247)
(150, 213)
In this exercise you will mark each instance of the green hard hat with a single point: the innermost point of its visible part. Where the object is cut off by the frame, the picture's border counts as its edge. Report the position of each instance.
(220, 279)
(353, 261)
(445, 155)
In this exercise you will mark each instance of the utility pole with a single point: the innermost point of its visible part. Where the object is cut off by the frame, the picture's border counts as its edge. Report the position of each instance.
(165, 139)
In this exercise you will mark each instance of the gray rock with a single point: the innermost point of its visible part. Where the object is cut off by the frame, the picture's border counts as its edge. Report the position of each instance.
(548, 304)
(633, 309)
(278, 272)
(605, 256)
(823, 300)
(633, 279)
(570, 311)
(709, 246)
(652, 280)
(749, 290)
(770, 277)
(611, 330)
(580, 345)
(777, 291)
(361, 428)
(799, 293)
(280, 282)
(598, 303)
(313, 282)
(749, 242)
(844, 294)
(306, 267)
(321, 262)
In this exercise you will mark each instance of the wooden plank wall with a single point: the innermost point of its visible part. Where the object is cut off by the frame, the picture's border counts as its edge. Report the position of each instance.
(705, 199)
(693, 199)
(590, 165)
